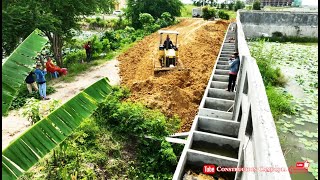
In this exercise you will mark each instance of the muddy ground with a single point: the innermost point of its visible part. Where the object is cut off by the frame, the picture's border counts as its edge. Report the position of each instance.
(174, 92)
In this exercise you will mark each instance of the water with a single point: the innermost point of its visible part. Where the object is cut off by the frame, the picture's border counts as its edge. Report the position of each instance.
(298, 133)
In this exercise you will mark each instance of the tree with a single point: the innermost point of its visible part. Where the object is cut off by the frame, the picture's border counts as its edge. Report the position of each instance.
(209, 12)
(256, 5)
(203, 2)
(55, 18)
(239, 5)
(154, 8)
(223, 5)
(230, 6)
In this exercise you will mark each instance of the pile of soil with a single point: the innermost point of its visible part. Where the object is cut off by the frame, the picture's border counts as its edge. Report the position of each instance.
(175, 92)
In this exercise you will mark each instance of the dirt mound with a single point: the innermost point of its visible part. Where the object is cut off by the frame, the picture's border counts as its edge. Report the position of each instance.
(177, 92)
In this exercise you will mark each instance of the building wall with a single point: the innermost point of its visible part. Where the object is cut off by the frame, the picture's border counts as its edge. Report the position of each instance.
(258, 23)
(276, 2)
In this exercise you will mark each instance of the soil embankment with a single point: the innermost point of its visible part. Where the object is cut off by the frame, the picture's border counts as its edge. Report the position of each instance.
(175, 92)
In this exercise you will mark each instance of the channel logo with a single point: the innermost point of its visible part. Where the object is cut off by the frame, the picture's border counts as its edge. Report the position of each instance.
(209, 169)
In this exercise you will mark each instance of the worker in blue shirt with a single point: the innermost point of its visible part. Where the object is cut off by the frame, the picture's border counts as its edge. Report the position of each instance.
(41, 80)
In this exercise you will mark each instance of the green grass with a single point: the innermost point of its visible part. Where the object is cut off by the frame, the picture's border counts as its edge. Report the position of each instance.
(112, 144)
(232, 14)
(273, 78)
(187, 10)
(280, 102)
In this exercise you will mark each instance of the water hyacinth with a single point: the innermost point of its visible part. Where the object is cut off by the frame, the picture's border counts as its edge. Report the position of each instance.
(299, 63)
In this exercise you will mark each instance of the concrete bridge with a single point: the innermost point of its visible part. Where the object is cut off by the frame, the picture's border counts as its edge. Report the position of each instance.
(234, 129)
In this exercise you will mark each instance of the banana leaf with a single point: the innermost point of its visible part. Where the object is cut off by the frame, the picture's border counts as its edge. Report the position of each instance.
(49, 132)
(18, 65)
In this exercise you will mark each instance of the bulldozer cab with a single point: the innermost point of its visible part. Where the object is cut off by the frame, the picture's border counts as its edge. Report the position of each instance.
(168, 54)
(164, 40)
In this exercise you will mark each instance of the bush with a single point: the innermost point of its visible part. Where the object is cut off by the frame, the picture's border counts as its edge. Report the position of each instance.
(277, 34)
(223, 15)
(230, 6)
(155, 155)
(256, 5)
(239, 5)
(271, 76)
(74, 58)
(96, 47)
(23, 95)
(121, 23)
(34, 110)
(279, 101)
(223, 6)
(248, 7)
(145, 19)
(165, 20)
(208, 13)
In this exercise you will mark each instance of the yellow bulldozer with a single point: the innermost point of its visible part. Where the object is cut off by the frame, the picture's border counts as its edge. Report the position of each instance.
(168, 54)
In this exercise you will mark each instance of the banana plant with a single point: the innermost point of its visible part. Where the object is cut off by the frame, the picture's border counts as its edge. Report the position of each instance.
(49, 132)
(18, 65)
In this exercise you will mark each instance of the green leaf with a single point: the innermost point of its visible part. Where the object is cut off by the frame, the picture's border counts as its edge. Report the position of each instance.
(47, 133)
(18, 65)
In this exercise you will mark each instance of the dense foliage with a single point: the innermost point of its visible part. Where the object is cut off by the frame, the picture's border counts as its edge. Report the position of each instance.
(114, 38)
(230, 6)
(203, 2)
(24, 95)
(256, 5)
(122, 139)
(154, 8)
(56, 19)
(279, 37)
(148, 128)
(208, 13)
(279, 101)
(223, 15)
(239, 5)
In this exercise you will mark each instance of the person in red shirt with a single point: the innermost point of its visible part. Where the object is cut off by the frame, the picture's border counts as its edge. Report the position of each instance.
(88, 49)
(54, 69)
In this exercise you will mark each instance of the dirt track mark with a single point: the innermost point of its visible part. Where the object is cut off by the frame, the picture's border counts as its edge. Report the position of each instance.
(174, 92)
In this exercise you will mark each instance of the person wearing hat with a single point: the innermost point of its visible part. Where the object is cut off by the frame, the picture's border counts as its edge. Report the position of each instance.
(234, 63)
(41, 80)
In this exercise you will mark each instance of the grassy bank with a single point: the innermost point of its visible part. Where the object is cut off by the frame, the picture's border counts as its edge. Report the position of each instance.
(112, 145)
(280, 102)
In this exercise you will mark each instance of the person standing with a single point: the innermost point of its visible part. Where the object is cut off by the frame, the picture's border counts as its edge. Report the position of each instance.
(234, 63)
(31, 82)
(88, 49)
(41, 80)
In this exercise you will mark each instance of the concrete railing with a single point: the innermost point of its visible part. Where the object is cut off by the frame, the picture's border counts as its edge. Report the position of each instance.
(257, 127)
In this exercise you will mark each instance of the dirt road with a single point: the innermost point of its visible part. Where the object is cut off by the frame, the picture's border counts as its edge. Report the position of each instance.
(15, 124)
(174, 92)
